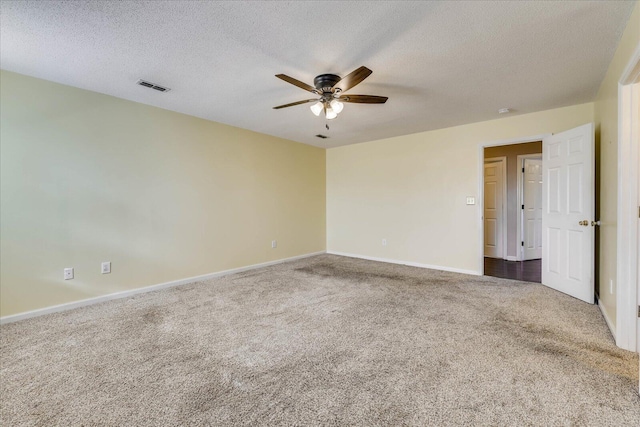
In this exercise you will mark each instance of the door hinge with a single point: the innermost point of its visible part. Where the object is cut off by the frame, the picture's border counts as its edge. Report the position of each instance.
(521, 243)
(639, 311)
(522, 207)
(522, 170)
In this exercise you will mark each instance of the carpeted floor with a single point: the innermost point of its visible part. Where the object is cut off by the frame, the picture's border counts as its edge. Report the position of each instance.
(325, 340)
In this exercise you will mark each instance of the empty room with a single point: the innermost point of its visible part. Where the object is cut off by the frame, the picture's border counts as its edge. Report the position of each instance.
(319, 213)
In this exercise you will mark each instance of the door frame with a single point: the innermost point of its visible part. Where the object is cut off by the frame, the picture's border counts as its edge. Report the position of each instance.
(628, 282)
(520, 194)
(503, 162)
(480, 210)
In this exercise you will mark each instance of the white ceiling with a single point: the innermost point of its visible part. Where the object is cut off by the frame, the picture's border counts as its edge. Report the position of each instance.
(440, 63)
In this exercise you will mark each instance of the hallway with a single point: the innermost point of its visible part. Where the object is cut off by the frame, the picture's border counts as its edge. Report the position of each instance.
(528, 271)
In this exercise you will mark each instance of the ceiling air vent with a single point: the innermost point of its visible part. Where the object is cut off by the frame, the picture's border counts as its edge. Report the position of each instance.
(322, 136)
(153, 86)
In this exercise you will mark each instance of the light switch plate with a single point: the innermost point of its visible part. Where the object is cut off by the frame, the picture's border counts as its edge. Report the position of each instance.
(105, 268)
(471, 200)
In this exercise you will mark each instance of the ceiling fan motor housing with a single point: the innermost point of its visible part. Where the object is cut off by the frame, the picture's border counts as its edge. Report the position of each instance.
(324, 82)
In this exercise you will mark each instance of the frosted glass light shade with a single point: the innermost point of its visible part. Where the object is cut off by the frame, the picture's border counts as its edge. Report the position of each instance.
(337, 106)
(330, 114)
(317, 108)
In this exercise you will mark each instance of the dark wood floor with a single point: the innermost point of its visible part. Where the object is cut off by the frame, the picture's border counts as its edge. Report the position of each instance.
(528, 271)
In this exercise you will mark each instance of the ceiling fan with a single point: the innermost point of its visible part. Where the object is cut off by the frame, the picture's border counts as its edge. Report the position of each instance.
(330, 88)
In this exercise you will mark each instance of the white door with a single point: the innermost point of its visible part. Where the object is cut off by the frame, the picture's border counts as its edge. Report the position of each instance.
(532, 213)
(568, 201)
(493, 212)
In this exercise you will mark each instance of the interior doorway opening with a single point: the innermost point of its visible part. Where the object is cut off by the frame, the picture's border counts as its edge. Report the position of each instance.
(512, 211)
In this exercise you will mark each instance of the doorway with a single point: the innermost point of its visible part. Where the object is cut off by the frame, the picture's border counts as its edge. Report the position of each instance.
(568, 209)
(512, 211)
(495, 202)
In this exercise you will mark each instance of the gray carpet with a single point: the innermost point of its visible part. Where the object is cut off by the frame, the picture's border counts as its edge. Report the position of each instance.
(322, 341)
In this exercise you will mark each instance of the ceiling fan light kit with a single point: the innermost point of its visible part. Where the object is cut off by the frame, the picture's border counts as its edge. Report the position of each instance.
(330, 88)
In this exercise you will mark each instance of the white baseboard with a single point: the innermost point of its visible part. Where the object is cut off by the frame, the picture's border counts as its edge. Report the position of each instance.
(511, 258)
(409, 263)
(128, 293)
(607, 320)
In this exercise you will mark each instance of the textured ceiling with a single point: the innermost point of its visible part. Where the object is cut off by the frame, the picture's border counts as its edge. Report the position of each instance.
(440, 63)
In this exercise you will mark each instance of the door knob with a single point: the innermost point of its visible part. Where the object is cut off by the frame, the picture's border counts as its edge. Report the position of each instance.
(583, 223)
(594, 223)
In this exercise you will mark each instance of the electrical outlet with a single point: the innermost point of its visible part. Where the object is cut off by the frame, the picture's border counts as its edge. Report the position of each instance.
(106, 267)
(384, 242)
(68, 273)
(274, 244)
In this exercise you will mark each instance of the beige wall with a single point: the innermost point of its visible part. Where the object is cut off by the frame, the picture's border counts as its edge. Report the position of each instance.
(606, 122)
(411, 190)
(87, 178)
(511, 152)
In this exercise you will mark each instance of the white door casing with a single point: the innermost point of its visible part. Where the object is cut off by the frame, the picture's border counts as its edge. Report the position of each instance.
(568, 200)
(627, 222)
(493, 208)
(532, 212)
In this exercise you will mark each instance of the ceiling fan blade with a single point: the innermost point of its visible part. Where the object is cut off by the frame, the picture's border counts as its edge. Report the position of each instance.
(295, 103)
(363, 99)
(353, 79)
(298, 83)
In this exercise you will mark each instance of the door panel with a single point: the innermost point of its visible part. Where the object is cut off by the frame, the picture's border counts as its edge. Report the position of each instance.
(575, 189)
(568, 192)
(553, 244)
